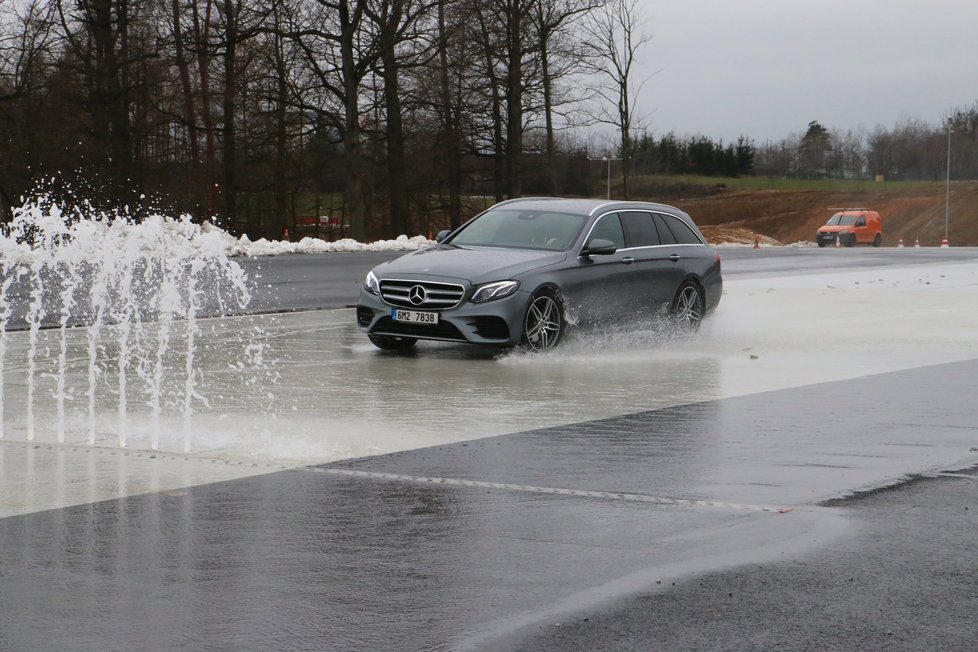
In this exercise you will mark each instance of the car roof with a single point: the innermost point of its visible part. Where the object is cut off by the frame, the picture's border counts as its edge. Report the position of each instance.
(583, 206)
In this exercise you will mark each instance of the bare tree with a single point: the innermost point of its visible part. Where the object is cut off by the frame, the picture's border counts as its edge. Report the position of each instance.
(551, 19)
(338, 58)
(613, 38)
(400, 45)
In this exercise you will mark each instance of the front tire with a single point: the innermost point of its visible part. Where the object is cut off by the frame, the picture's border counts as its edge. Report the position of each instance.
(689, 307)
(543, 324)
(392, 343)
(878, 240)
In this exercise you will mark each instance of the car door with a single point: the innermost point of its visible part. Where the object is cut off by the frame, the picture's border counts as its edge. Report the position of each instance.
(653, 269)
(596, 287)
(861, 230)
(680, 245)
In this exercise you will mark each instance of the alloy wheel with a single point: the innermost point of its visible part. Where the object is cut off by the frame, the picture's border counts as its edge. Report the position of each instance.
(544, 323)
(688, 308)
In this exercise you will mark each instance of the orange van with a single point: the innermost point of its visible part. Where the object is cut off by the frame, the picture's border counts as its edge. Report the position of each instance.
(851, 226)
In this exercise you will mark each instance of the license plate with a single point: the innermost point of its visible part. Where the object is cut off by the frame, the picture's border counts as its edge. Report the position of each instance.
(414, 316)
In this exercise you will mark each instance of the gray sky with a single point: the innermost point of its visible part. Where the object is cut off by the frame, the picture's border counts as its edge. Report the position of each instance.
(766, 68)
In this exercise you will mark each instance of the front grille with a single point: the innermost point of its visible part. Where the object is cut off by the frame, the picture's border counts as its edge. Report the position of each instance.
(425, 295)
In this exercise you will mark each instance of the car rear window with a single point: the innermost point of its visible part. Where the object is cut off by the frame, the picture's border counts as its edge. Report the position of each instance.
(681, 233)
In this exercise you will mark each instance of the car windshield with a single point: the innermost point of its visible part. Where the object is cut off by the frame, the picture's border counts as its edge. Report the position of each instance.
(521, 230)
(841, 220)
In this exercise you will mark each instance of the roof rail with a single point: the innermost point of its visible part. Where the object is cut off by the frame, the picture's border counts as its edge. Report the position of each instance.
(852, 208)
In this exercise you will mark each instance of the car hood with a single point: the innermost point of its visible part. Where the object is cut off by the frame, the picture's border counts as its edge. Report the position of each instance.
(474, 264)
(834, 229)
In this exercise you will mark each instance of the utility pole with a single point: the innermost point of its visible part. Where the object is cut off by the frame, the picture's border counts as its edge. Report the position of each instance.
(947, 186)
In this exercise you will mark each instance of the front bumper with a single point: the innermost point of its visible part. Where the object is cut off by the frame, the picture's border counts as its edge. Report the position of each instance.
(495, 323)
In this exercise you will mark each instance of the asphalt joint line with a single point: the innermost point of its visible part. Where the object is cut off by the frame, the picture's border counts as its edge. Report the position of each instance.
(554, 491)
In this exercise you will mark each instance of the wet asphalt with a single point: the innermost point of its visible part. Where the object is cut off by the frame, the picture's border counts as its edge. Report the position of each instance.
(731, 524)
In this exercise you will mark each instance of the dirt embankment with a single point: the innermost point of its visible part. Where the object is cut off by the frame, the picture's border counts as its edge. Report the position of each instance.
(788, 216)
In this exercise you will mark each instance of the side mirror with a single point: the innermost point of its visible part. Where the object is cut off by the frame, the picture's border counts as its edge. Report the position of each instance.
(599, 247)
(442, 235)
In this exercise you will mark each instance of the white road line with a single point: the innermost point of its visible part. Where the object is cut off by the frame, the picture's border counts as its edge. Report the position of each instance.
(580, 493)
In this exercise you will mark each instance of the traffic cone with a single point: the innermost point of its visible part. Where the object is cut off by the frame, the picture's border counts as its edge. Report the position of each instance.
(838, 240)
(945, 243)
(285, 235)
(757, 245)
(900, 244)
(916, 243)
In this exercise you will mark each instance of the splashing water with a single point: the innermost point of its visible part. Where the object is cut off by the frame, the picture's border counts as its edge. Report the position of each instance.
(125, 299)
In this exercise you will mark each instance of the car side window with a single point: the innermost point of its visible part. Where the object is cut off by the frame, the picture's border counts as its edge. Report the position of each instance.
(680, 230)
(861, 221)
(640, 229)
(608, 227)
(665, 234)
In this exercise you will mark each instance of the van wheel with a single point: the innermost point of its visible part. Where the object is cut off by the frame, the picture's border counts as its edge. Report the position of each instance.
(851, 241)
(878, 240)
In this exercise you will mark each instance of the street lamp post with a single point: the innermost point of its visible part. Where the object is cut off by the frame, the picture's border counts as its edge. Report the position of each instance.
(947, 185)
(609, 159)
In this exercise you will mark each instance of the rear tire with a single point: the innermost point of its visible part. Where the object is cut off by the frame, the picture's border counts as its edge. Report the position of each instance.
(392, 343)
(689, 307)
(543, 324)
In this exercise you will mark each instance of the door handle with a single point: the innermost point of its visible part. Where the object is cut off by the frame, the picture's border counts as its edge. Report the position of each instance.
(628, 260)
(674, 258)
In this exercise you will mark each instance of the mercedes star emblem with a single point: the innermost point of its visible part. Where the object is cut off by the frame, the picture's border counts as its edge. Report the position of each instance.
(417, 295)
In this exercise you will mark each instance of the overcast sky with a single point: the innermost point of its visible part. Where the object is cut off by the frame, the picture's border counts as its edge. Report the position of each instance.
(766, 68)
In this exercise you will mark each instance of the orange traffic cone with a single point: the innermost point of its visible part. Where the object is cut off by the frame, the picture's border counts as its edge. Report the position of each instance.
(285, 235)
(945, 243)
(900, 244)
(838, 241)
(757, 245)
(916, 243)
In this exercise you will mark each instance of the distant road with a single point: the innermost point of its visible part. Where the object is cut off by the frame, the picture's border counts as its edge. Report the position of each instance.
(322, 281)
(327, 281)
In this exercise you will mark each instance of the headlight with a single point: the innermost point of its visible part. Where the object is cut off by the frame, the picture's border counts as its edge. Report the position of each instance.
(371, 284)
(491, 291)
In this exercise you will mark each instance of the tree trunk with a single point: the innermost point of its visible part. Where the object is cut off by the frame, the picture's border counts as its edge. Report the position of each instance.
(281, 141)
(355, 208)
(397, 175)
(190, 112)
(548, 112)
(453, 155)
(229, 166)
(202, 38)
(514, 98)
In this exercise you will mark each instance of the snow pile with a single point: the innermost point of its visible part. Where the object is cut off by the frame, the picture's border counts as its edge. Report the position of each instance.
(243, 246)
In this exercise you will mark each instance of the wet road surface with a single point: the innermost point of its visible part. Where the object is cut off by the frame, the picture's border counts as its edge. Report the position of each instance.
(582, 483)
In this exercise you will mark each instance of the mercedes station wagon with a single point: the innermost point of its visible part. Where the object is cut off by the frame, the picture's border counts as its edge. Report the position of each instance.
(520, 272)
